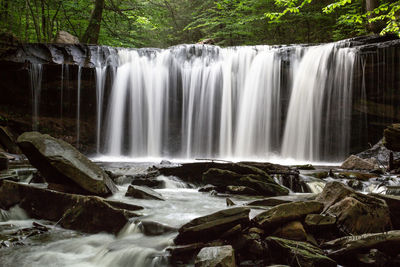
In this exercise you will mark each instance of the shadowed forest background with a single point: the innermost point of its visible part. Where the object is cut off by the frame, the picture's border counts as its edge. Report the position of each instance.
(163, 23)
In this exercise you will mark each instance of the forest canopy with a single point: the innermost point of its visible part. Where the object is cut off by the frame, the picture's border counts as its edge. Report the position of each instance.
(163, 23)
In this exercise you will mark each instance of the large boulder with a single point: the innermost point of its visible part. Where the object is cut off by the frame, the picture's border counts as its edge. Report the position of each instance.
(222, 256)
(90, 214)
(143, 192)
(348, 247)
(61, 163)
(392, 137)
(63, 37)
(355, 212)
(296, 253)
(356, 163)
(393, 203)
(293, 230)
(211, 227)
(262, 183)
(278, 215)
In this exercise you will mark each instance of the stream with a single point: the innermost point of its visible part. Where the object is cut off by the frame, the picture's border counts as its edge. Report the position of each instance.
(131, 247)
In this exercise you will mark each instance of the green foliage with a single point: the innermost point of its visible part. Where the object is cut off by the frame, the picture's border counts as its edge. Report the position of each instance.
(351, 14)
(162, 23)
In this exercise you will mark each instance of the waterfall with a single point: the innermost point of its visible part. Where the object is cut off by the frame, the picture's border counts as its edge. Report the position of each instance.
(62, 92)
(78, 106)
(35, 72)
(320, 105)
(201, 101)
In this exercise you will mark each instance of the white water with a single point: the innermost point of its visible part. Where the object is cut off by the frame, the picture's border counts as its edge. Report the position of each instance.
(324, 81)
(199, 101)
(35, 72)
(131, 247)
(78, 106)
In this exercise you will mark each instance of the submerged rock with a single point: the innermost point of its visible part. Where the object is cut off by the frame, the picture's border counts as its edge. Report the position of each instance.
(88, 214)
(61, 163)
(222, 256)
(143, 192)
(357, 163)
(270, 219)
(211, 227)
(151, 228)
(356, 213)
(296, 253)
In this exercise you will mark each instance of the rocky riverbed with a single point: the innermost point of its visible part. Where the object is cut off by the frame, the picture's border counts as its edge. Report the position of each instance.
(206, 213)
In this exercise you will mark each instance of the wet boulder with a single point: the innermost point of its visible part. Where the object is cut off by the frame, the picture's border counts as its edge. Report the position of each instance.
(356, 213)
(392, 137)
(61, 163)
(345, 248)
(319, 221)
(8, 140)
(293, 230)
(240, 190)
(90, 214)
(262, 184)
(297, 253)
(152, 228)
(274, 201)
(222, 256)
(356, 163)
(211, 227)
(393, 203)
(185, 254)
(143, 192)
(152, 183)
(284, 213)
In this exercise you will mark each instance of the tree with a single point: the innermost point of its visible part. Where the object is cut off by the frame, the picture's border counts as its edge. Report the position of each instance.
(371, 15)
(91, 34)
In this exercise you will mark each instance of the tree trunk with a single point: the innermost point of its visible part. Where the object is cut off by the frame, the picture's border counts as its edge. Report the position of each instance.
(370, 5)
(91, 34)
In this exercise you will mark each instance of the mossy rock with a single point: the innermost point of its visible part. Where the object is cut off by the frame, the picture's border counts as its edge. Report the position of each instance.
(297, 253)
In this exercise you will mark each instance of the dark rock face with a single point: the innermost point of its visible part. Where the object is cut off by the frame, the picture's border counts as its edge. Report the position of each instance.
(143, 192)
(89, 214)
(3, 162)
(356, 213)
(8, 140)
(61, 163)
(392, 137)
(210, 227)
(376, 79)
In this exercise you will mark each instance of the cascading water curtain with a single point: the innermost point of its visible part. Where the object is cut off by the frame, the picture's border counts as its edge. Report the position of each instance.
(35, 72)
(199, 101)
